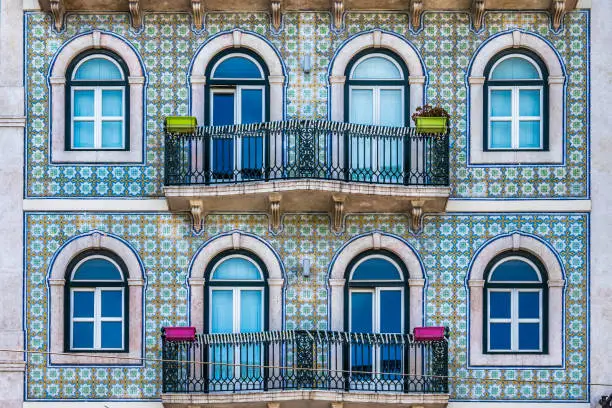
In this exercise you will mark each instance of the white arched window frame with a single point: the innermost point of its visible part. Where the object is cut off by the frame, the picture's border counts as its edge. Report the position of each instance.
(95, 241)
(478, 355)
(478, 154)
(57, 81)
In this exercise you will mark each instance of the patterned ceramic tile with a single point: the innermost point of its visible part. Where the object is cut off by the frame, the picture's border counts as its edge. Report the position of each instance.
(167, 44)
(166, 245)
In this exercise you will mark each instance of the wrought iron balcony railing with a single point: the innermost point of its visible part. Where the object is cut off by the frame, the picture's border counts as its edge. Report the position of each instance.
(290, 360)
(306, 149)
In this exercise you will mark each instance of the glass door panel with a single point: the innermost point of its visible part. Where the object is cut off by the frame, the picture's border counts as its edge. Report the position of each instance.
(222, 321)
(362, 321)
(223, 146)
(362, 112)
(251, 321)
(390, 148)
(252, 145)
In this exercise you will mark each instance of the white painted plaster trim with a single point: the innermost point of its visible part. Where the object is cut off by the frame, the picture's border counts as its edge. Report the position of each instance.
(12, 121)
(556, 312)
(235, 241)
(377, 241)
(375, 39)
(518, 206)
(56, 280)
(57, 81)
(556, 101)
(58, 204)
(235, 39)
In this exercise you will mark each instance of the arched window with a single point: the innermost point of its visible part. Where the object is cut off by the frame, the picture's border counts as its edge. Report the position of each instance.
(515, 304)
(97, 99)
(516, 92)
(237, 93)
(376, 91)
(96, 302)
(376, 298)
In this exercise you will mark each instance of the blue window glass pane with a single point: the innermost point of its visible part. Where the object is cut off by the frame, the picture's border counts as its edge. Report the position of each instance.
(222, 311)
(82, 334)
(83, 304)
(361, 362)
(237, 269)
(223, 109)
(390, 311)
(529, 102)
(83, 103)
(250, 311)
(529, 305)
(250, 358)
(361, 312)
(500, 305)
(112, 103)
(83, 136)
(376, 269)
(391, 112)
(376, 68)
(500, 336)
(112, 134)
(529, 134)
(501, 103)
(97, 269)
(112, 335)
(501, 135)
(514, 270)
(252, 103)
(362, 103)
(515, 68)
(98, 69)
(529, 336)
(112, 303)
(237, 67)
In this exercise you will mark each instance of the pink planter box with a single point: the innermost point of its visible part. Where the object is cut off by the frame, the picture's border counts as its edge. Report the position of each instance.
(180, 333)
(428, 333)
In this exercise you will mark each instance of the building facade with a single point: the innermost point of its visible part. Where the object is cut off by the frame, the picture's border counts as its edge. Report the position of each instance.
(305, 206)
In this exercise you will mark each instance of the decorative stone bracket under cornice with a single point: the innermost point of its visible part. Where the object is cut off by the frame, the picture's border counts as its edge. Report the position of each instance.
(337, 198)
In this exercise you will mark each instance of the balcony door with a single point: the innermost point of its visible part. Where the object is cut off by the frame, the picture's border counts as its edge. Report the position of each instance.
(236, 305)
(376, 94)
(237, 92)
(376, 297)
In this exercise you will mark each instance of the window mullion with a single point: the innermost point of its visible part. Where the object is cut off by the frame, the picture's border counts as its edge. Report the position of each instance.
(514, 324)
(515, 120)
(98, 118)
(97, 319)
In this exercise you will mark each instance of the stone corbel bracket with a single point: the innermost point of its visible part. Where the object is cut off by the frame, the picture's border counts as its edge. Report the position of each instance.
(136, 14)
(416, 216)
(557, 11)
(276, 14)
(58, 10)
(416, 10)
(337, 212)
(274, 213)
(197, 14)
(337, 10)
(478, 10)
(196, 207)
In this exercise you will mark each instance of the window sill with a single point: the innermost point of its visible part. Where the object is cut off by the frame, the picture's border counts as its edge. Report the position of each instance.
(478, 156)
(96, 156)
(480, 359)
(96, 358)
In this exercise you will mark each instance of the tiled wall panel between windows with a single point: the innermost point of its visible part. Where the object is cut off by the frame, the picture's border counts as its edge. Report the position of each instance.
(166, 244)
(167, 44)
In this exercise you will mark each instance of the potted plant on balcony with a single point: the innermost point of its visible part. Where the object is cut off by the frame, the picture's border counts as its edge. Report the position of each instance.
(430, 119)
(181, 124)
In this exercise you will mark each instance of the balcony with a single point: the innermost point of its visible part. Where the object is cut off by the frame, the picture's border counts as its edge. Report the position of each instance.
(306, 166)
(305, 368)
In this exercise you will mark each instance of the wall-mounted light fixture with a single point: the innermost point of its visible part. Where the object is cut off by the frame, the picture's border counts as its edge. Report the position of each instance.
(306, 64)
(305, 267)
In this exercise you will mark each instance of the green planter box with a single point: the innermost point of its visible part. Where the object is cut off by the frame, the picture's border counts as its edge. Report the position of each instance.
(431, 125)
(181, 124)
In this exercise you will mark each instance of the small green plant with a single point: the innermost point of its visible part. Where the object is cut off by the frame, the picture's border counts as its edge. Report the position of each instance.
(429, 111)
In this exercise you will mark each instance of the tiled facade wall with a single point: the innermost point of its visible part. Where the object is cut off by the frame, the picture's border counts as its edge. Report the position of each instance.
(166, 244)
(167, 45)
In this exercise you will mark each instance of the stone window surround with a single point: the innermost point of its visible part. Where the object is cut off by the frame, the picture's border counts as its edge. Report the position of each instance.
(237, 39)
(95, 240)
(375, 39)
(556, 283)
(235, 241)
(376, 241)
(556, 98)
(57, 81)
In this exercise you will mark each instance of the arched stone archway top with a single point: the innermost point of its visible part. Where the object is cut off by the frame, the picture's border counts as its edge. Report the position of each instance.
(377, 39)
(236, 39)
(376, 241)
(236, 241)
